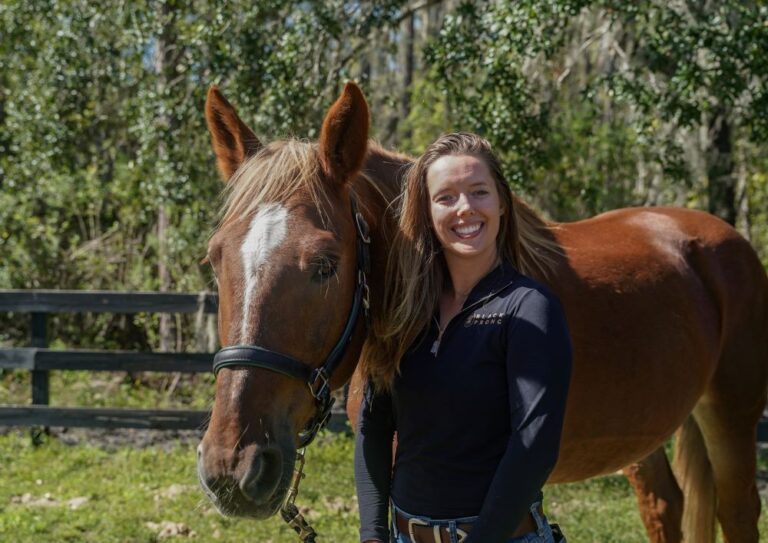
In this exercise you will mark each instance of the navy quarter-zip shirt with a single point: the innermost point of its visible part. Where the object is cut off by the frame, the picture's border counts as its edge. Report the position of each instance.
(478, 415)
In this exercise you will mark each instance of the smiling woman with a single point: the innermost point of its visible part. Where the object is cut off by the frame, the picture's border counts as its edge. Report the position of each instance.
(444, 194)
(458, 260)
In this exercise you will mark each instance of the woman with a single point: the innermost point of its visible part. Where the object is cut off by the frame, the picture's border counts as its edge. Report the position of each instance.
(470, 363)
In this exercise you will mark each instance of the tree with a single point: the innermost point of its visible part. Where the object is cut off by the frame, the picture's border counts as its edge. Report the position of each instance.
(107, 176)
(666, 69)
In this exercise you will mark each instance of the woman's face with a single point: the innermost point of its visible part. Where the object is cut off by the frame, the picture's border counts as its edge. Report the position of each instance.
(465, 207)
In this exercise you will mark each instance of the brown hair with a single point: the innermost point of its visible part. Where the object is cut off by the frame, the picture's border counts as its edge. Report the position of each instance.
(416, 269)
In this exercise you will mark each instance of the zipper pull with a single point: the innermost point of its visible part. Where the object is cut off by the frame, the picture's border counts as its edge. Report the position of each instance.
(436, 344)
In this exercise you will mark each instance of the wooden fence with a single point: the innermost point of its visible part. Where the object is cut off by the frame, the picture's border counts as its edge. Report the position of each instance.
(40, 360)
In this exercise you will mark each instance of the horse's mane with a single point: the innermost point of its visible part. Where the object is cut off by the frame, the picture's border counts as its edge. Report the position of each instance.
(273, 174)
(281, 168)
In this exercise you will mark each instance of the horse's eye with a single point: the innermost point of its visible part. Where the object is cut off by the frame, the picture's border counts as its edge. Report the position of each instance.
(325, 269)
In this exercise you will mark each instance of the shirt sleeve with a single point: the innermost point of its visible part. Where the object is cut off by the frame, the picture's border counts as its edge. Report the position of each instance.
(538, 374)
(373, 464)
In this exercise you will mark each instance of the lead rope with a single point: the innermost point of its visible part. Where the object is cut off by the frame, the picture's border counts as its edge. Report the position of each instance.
(289, 511)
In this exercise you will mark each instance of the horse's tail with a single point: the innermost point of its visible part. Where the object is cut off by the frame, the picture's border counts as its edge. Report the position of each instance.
(693, 472)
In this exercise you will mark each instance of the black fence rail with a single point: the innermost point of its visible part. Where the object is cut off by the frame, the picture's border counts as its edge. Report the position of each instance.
(40, 360)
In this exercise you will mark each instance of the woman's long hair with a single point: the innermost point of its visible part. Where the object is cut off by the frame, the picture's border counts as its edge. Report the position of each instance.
(416, 269)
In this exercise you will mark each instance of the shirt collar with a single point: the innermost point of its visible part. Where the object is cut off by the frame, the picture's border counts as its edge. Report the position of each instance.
(495, 280)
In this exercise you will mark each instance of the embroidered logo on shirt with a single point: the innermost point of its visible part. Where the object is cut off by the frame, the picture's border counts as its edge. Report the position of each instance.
(483, 318)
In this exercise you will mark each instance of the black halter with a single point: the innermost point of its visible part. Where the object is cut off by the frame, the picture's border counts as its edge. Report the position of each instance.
(316, 378)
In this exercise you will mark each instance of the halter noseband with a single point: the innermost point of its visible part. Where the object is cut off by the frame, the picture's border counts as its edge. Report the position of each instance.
(318, 378)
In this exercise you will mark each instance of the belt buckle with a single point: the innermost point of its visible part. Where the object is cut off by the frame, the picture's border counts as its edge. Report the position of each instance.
(413, 521)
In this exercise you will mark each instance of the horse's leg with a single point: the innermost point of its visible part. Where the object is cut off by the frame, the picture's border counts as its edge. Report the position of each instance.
(730, 436)
(693, 472)
(658, 496)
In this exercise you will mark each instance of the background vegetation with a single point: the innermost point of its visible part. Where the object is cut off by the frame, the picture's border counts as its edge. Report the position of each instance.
(107, 178)
(107, 181)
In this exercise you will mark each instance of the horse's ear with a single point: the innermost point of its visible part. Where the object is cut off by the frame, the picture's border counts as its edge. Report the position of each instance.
(231, 139)
(344, 136)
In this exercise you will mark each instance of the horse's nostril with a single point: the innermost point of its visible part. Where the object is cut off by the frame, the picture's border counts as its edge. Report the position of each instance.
(249, 484)
(261, 479)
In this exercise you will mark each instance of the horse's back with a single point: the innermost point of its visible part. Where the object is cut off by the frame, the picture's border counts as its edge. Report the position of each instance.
(655, 299)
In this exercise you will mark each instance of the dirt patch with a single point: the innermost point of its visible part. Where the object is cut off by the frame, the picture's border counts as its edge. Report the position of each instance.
(113, 439)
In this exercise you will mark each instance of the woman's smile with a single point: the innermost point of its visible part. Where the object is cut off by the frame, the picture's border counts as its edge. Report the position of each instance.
(468, 231)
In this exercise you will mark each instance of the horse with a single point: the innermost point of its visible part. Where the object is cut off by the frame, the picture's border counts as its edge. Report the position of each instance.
(667, 309)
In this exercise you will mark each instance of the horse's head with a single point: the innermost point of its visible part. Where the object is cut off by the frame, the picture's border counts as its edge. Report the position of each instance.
(284, 256)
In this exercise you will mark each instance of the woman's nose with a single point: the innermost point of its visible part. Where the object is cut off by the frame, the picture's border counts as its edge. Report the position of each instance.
(463, 205)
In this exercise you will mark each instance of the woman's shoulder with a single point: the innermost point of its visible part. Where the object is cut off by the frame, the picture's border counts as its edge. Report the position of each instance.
(523, 289)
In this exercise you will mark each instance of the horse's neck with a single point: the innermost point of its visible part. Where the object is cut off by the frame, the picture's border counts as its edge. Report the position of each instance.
(385, 172)
(386, 169)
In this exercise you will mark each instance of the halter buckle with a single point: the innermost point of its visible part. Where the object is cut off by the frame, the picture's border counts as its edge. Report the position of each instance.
(323, 390)
(362, 228)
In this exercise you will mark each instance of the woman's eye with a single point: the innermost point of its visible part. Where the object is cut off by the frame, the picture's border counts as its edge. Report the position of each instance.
(444, 199)
(481, 192)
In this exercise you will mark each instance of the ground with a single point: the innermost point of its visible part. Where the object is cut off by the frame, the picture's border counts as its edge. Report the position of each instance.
(140, 486)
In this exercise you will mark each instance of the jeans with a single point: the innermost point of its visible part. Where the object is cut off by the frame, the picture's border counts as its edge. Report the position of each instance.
(543, 533)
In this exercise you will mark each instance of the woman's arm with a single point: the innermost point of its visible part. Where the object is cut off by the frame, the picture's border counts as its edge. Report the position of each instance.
(373, 464)
(538, 375)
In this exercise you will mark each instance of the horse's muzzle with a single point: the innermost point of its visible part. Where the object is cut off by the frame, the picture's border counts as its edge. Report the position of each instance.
(248, 482)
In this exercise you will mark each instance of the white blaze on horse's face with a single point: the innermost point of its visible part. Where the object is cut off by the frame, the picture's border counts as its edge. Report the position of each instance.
(266, 233)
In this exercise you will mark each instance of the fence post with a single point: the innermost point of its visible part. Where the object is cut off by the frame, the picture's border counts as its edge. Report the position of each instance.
(39, 377)
(38, 338)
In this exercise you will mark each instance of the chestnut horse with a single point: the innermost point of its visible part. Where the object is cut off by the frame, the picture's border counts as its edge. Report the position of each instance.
(668, 311)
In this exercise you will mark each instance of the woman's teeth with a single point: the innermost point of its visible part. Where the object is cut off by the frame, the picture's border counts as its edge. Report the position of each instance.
(467, 230)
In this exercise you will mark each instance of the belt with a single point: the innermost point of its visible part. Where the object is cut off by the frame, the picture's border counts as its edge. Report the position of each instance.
(420, 531)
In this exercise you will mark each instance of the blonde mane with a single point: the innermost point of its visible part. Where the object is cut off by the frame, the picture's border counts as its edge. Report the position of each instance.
(276, 172)
(282, 168)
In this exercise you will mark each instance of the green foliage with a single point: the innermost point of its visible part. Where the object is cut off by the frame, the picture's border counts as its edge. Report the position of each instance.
(592, 104)
(703, 56)
(589, 163)
(485, 92)
(585, 99)
(102, 132)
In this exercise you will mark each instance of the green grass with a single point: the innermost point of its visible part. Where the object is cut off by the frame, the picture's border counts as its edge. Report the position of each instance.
(113, 389)
(129, 489)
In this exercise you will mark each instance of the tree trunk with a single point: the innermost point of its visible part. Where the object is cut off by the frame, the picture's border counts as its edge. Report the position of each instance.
(721, 181)
(407, 39)
(165, 65)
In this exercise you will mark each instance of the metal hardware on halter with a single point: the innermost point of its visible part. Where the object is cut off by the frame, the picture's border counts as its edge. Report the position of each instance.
(324, 389)
(289, 511)
(362, 228)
